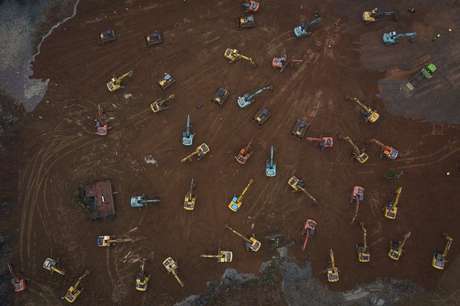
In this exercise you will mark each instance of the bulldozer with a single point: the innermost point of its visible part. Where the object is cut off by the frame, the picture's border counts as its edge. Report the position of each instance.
(166, 81)
(300, 127)
(387, 151)
(376, 14)
(397, 247)
(161, 104)
(250, 6)
(362, 250)
(262, 115)
(298, 184)
(368, 113)
(391, 209)
(309, 231)
(107, 36)
(425, 73)
(116, 83)
(358, 155)
(187, 133)
(393, 37)
(200, 152)
(248, 98)
(233, 55)
(142, 279)
(106, 241)
(221, 96)
(244, 154)
(75, 290)
(237, 200)
(270, 164)
(440, 259)
(171, 266)
(153, 39)
(141, 201)
(252, 243)
(332, 270)
(18, 282)
(51, 265)
(222, 256)
(326, 142)
(357, 196)
(306, 29)
(190, 197)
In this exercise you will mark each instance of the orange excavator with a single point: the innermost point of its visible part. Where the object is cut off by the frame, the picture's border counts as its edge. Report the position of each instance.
(387, 151)
(244, 154)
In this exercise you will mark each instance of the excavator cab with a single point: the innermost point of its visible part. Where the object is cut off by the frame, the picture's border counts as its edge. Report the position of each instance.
(75, 290)
(246, 22)
(237, 200)
(154, 39)
(234, 55)
(250, 6)
(309, 231)
(397, 247)
(252, 243)
(262, 115)
(190, 197)
(18, 282)
(440, 258)
(141, 201)
(51, 265)
(142, 279)
(107, 36)
(270, 164)
(161, 104)
(391, 210)
(300, 128)
(222, 256)
(116, 83)
(332, 270)
(166, 81)
(187, 133)
(171, 266)
(244, 154)
(221, 96)
(362, 250)
(200, 152)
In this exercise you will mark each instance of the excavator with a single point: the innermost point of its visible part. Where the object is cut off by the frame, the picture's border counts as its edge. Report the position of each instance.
(141, 201)
(391, 210)
(425, 73)
(281, 62)
(392, 38)
(107, 36)
(187, 133)
(200, 152)
(397, 247)
(166, 81)
(246, 22)
(234, 55)
(387, 151)
(270, 164)
(18, 282)
(306, 29)
(142, 279)
(262, 115)
(237, 200)
(375, 14)
(248, 98)
(102, 122)
(357, 196)
(362, 249)
(440, 259)
(298, 184)
(358, 155)
(106, 241)
(244, 154)
(221, 96)
(153, 39)
(309, 231)
(324, 142)
(222, 256)
(171, 266)
(252, 243)
(116, 83)
(75, 290)
(369, 114)
(300, 127)
(190, 197)
(250, 6)
(161, 104)
(51, 265)
(332, 270)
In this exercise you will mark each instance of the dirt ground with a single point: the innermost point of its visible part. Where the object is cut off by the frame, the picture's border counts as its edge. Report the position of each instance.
(60, 150)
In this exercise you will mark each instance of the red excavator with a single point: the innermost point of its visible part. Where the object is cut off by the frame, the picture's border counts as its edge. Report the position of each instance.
(19, 283)
(324, 142)
(387, 151)
(309, 231)
(244, 154)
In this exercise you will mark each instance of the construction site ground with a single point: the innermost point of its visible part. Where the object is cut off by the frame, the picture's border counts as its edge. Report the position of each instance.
(59, 150)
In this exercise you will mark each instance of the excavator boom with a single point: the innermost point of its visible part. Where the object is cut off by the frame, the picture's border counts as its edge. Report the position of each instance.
(396, 200)
(240, 198)
(448, 246)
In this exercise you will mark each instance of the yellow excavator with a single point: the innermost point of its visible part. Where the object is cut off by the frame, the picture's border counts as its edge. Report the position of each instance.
(234, 55)
(142, 279)
(397, 247)
(75, 290)
(116, 83)
(253, 244)
(200, 152)
(391, 210)
(190, 197)
(358, 154)
(237, 200)
(368, 113)
(440, 259)
(298, 184)
(171, 266)
(362, 249)
(222, 256)
(332, 270)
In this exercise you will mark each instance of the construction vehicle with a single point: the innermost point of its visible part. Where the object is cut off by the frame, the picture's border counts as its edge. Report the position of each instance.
(252, 243)
(376, 14)
(97, 199)
(161, 104)
(248, 98)
(250, 6)
(425, 73)
(222, 256)
(200, 152)
(387, 151)
(270, 164)
(107, 36)
(246, 22)
(237, 200)
(190, 197)
(51, 265)
(234, 55)
(397, 247)
(106, 241)
(262, 115)
(102, 124)
(142, 279)
(154, 39)
(332, 270)
(18, 282)
(221, 96)
(75, 290)
(116, 83)
(362, 250)
(172, 267)
(309, 231)
(187, 133)
(440, 259)
(391, 209)
(357, 196)
(392, 38)
(298, 184)
(166, 81)
(300, 128)
(282, 62)
(306, 29)
(368, 114)
(357, 154)
(324, 142)
(141, 201)
(244, 154)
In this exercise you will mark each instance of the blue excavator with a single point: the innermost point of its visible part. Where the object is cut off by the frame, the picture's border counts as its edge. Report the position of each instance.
(248, 98)
(392, 38)
(270, 165)
(187, 133)
(306, 29)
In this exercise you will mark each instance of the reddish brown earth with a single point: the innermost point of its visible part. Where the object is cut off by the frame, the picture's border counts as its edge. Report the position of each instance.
(60, 151)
